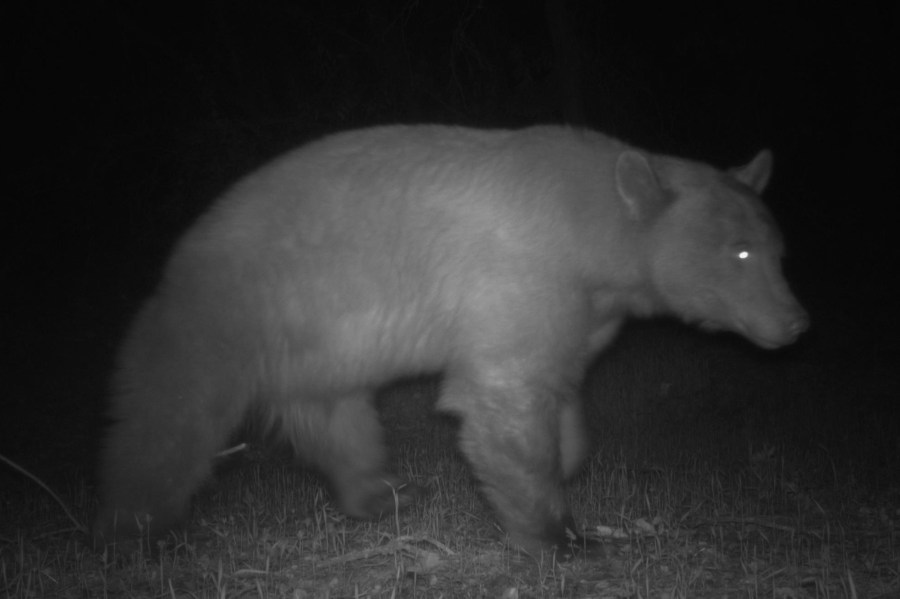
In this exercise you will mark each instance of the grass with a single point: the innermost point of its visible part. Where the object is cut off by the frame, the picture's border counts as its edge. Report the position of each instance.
(698, 501)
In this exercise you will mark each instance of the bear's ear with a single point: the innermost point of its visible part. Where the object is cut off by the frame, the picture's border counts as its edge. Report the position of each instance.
(637, 185)
(757, 173)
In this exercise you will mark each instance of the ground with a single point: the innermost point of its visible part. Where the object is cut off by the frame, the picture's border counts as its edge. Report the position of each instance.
(707, 500)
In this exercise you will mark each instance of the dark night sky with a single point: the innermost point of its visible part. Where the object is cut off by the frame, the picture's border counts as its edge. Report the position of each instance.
(128, 118)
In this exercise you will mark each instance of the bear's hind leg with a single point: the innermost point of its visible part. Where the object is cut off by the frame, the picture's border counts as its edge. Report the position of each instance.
(573, 437)
(156, 456)
(345, 441)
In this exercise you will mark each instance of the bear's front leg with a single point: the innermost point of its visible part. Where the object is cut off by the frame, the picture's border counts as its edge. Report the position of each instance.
(510, 434)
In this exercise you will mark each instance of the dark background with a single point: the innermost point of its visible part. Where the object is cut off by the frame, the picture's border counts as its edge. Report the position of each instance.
(127, 119)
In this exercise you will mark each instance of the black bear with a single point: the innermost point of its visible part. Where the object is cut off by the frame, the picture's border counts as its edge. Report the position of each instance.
(502, 259)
